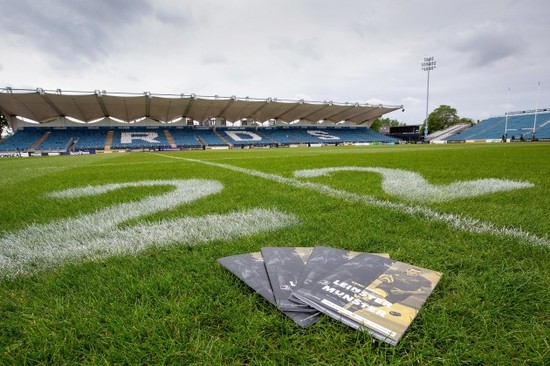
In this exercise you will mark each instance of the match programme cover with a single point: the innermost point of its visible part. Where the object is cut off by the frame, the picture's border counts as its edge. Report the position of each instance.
(370, 292)
(321, 262)
(251, 270)
(284, 265)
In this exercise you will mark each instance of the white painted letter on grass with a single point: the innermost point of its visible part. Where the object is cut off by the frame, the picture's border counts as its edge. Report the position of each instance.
(97, 235)
(414, 187)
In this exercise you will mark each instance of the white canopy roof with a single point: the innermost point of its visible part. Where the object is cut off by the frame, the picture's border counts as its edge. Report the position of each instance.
(44, 106)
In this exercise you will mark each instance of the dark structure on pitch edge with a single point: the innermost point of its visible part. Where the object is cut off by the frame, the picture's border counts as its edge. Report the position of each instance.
(409, 133)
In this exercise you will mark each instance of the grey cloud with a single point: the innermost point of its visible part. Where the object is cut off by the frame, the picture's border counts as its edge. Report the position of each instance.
(489, 43)
(365, 29)
(169, 16)
(70, 29)
(304, 48)
(213, 58)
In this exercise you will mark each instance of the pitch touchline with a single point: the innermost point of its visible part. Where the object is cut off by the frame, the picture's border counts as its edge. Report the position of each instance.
(456, 221)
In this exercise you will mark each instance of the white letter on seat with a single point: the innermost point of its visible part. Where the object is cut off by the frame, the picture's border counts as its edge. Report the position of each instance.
(238, 136)
(128, 137)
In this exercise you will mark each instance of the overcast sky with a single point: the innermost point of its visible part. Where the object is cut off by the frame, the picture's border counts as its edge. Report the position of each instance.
(344, 51)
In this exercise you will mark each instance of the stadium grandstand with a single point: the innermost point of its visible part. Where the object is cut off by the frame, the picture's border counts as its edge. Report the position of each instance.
(87, 122)
(514, 126)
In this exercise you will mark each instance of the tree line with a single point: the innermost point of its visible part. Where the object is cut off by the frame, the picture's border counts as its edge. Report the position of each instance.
(441, 118)
(4, 124)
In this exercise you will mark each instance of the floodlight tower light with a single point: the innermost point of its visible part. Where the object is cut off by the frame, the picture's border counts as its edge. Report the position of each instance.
(428, 65)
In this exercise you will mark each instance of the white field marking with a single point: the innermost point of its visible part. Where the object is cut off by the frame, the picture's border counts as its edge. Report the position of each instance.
(133, 163)
(414, 187)
(96, 235)
(241, 158)
(456, 221)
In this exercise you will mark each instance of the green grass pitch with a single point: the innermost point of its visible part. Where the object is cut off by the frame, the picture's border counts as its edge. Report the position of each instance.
(103, 262)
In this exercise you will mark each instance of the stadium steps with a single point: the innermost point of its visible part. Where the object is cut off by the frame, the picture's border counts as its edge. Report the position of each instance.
(170, 139)
(70, 145)
(448, 132)
(109, 140)
(40, 140)
(225, 141)
(265, 135)
(201, 141)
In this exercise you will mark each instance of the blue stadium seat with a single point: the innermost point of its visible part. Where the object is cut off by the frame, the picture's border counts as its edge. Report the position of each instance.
(94, 138)
(516, 126)
(90, 138)
(326, 135)
(209, 138)
(23, 139)
(185, 137)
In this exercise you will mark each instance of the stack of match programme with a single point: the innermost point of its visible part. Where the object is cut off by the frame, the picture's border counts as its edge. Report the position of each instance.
(365, 291)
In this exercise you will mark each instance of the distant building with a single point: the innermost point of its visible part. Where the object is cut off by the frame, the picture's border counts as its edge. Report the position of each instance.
(384, 129)
(410, 133)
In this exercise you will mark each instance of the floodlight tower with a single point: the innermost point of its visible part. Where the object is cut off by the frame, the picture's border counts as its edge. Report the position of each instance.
(428, 65)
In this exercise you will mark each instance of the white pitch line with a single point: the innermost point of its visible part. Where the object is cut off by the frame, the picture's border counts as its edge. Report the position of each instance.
(459, 222)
